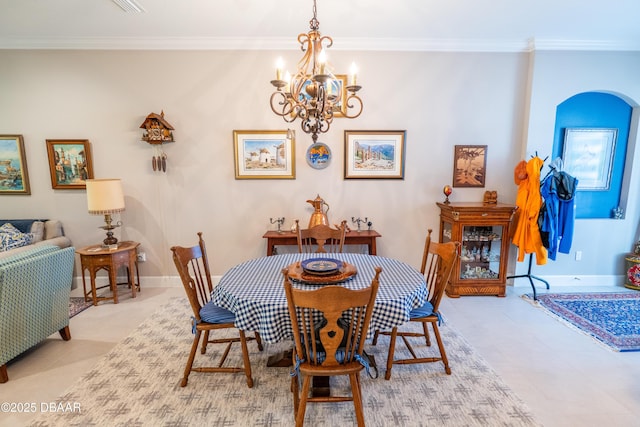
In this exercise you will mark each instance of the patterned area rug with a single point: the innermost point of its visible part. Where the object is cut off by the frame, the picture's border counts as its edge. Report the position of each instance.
(137, 384)
(611, 318)
(78, 305)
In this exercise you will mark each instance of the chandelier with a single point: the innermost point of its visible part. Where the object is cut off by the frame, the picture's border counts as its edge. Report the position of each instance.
(314, 94)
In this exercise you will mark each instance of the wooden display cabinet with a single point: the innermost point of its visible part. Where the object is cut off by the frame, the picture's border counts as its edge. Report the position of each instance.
(483, 232)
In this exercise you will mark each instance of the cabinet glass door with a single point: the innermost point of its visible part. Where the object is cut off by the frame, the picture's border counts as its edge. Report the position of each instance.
(480, 252)
(446, 232)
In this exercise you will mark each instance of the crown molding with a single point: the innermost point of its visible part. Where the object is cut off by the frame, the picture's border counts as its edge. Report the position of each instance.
(585, 45)
(363, 44)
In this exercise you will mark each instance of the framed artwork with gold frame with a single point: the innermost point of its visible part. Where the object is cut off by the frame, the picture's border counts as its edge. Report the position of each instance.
(264, 154)
(14, 177)
(70, 163)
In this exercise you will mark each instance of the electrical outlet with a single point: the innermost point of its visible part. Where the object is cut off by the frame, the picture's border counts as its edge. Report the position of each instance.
(142, 257)
(578, 255)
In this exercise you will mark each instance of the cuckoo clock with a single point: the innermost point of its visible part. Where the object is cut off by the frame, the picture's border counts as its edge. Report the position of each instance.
(157, 132)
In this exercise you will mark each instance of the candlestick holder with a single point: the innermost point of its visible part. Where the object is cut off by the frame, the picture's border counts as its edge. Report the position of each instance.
(278, 221)
(359, 221)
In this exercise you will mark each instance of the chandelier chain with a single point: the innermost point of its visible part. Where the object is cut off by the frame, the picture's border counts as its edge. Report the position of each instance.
(314, 23)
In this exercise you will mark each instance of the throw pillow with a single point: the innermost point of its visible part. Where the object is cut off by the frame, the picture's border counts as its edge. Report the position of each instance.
(9, 228)
(37, 229)
(11, 238)
(52, 228)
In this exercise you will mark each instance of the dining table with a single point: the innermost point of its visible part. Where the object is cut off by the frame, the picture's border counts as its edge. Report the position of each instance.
(253, 290)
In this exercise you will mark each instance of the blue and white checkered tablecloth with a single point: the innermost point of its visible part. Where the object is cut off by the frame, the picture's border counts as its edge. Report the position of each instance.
(254, 291)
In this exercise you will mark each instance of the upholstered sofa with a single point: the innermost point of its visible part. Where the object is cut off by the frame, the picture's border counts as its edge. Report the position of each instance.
(36, 276)
(34, 299)
(31, 232)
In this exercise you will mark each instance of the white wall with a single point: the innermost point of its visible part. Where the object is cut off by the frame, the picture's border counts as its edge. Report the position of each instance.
(440, 99)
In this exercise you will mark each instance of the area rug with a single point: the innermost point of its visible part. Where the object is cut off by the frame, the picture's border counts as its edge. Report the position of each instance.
(610, 317)
(137, 384)
(78, 305)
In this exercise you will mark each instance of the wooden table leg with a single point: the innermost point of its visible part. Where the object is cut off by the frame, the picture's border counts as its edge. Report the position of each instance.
(94, 291)
(320, 387)
(114, 282)
(131, 281)
(84, 286)
(372, 247)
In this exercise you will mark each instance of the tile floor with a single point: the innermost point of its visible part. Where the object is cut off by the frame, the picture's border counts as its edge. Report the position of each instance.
(566, 378)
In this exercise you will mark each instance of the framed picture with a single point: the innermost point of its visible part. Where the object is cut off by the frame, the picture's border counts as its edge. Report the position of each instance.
(339, 87)
(469, 165)
(264, 154)
(70, 163)
(588, 156)
(14, 178)
(374, 154)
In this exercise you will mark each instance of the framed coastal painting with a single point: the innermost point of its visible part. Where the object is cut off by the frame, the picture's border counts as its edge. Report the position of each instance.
(14, 177)
(588, 156)
(374, 154)
(469, 165)
(70, 163)
(264, 154)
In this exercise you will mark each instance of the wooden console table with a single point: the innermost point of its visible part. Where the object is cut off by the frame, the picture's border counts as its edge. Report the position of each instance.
(95, 258)
(288, 238)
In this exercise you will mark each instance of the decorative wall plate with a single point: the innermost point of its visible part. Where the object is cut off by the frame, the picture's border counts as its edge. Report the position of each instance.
(319, 155)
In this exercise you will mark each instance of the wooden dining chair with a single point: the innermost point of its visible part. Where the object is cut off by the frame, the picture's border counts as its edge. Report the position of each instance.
(438, 260)
(324, 238)
(330, 326)
(193, 267)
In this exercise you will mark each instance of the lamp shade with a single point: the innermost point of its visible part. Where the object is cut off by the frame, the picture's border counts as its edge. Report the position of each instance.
(104, 196)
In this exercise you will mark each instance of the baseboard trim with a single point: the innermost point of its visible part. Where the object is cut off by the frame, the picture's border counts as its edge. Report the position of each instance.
(568, 281)
(557, 280)
(146, 281)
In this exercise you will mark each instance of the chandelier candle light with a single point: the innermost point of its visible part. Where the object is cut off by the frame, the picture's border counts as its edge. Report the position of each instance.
(105, 197)
(311, 93)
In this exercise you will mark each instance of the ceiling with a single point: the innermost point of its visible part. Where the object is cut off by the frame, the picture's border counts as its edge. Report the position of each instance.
(463, 25)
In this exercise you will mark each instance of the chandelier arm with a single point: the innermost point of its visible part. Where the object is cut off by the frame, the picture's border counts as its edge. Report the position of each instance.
(355, 108)
(326, 38)
(286, 106)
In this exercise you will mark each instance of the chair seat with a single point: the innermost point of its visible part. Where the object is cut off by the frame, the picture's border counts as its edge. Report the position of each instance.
(211, 313)
(424, 311)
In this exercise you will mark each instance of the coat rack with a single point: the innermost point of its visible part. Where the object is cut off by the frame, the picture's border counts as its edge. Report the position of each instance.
(529, 275)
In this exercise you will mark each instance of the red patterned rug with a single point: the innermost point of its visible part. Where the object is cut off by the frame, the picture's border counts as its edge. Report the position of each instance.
(78, 305)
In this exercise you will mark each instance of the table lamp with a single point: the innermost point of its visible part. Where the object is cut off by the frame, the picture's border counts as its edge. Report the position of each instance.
(105, 197)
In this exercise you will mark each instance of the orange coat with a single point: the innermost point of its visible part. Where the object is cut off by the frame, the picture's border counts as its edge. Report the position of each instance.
(528, 200)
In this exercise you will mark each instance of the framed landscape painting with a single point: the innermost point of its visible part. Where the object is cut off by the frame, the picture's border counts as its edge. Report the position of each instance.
(14, 178)
(70, 163)
(374, 154)
(588, 156)
(469, 165)
(264, 154)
